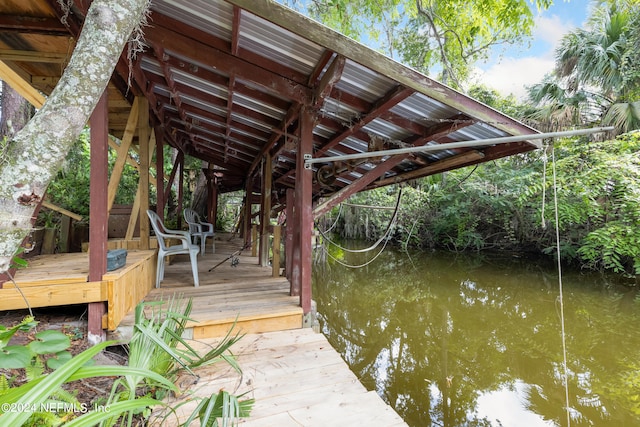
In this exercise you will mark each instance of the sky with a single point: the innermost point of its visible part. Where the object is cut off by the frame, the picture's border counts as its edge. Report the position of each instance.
(526, 65)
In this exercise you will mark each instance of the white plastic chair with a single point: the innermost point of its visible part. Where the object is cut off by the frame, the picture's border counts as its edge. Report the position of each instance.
(185, 247)
(199, 229)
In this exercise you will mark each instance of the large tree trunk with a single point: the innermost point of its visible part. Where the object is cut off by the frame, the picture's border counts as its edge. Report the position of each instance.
(15, 111)
(36, 152)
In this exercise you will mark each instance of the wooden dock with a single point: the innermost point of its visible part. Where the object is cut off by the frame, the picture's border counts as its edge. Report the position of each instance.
(246, 293)
(61, 279)
(297, 379)
(293, 373)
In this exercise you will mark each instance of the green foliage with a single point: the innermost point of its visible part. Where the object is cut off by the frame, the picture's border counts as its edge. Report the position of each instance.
(70, 188)
(446, 36)
(49, 346)
(597, 76)
(508, 205)
(507, 105)
(157, 354)
(229, 210)
(158, 346)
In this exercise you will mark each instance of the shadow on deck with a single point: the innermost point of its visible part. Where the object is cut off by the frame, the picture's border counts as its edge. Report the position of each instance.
(245, 293)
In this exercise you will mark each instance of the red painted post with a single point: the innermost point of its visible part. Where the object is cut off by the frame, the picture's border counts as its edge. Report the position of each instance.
(288, 239)
(304, 189)
(180, 190)
(98, 215)
(246, 223)
(161, 201)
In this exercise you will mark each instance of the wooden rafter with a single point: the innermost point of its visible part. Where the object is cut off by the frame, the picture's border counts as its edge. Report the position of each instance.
(20, 85)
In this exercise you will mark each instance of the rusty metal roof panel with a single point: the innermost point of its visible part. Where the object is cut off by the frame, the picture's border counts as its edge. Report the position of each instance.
(275, 43)
(477, 131)
(207, 88)
(355, 144)
(260, 107)
(228, 75)
(387, 130)
(340, 111)
(260, 126)
(203, 104)
(422, 109)
(364, 83)
(211, 16)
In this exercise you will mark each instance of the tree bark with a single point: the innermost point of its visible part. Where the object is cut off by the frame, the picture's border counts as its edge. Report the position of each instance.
(16, 111)
(36, 153)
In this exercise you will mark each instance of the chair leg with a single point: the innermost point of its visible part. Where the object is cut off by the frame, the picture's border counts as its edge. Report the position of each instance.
(203, 244)
(159, 271)
(194, 267)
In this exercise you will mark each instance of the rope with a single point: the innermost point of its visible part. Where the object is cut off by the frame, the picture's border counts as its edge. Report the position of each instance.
(544, 183)
(335, 222)
(375, 245)
(26, 301)
(357, 266)
(560, 287)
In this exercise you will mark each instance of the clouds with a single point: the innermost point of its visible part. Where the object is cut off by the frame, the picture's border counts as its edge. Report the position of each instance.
(513, 75)
(519, 67)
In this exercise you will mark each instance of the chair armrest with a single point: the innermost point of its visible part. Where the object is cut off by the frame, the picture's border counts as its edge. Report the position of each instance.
(194, 228)
(176, 234)
(209, 227)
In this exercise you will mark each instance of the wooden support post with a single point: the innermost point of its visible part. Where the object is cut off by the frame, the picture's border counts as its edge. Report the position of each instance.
(213, 211)
(98, 212)
(122, 152)
(265, 210)
(65, 234)
(288, 240)
(172, 176)
(145, 161)
(301, 273)
(212, 194)
(254, 239)
(275, 264)
(246, 230)
(180, 190)
(161, 201)
(136, 208)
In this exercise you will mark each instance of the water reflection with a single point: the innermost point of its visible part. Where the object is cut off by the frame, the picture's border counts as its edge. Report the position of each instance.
(469, 341)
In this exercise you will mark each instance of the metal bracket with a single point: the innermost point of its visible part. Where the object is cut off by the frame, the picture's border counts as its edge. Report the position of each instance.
(306, 158)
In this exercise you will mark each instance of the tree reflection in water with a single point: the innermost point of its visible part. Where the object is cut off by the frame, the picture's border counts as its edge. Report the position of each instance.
(442, 338)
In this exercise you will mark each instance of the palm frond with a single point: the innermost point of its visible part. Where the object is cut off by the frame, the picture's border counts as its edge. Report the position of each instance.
(625, 116)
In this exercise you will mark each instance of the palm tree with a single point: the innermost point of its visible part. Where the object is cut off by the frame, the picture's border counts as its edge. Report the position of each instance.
(597, 76)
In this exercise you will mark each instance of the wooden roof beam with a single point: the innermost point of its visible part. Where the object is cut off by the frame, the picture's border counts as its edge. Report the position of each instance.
(20, 85)
(392, 98)
(226, 63)
(433, 168)
(292, 114)
(33, 56)
(33, 25)
(328, 81)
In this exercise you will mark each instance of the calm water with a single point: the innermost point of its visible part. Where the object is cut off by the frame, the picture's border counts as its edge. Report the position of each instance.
(452, 340)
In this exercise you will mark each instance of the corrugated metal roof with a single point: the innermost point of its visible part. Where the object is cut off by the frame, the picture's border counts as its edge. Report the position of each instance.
(228, 81)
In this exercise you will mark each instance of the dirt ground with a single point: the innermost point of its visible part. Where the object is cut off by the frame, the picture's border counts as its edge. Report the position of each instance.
(71, 320)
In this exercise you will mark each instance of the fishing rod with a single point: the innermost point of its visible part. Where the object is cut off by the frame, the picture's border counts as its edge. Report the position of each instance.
(233, 262)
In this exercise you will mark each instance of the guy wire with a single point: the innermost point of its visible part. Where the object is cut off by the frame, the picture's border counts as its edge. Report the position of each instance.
(560, 286)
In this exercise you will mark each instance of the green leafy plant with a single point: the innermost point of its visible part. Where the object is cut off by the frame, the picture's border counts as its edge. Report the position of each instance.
(158, 353)
(37, 401)
(158, 345)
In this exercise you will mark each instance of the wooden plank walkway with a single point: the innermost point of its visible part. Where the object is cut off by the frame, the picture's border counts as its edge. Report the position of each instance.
(297, 379)
(245, 293)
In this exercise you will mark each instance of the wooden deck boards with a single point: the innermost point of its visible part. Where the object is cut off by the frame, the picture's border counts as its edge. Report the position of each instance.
(246, 294)
(294, 374)
(297, 379)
